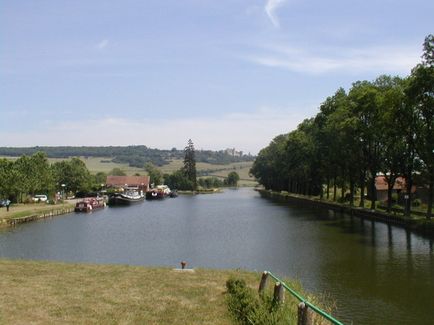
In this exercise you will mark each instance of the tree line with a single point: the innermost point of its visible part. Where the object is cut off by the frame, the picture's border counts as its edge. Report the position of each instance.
(186, 177)
(384, 126)
(135, 156)
(26, 176)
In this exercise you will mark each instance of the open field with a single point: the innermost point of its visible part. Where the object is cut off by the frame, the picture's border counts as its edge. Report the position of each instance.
(98, 164)
(53, 293)
(221, 171)
(103, 164)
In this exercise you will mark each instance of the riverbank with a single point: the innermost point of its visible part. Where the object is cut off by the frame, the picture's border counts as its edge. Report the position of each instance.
(416, 223)
(49, 293)
(201, 191)
(22, 213)
(41, 292)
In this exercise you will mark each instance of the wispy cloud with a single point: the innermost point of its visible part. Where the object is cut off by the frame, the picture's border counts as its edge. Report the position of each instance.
(103, 44)
(270, 8)
(392, 59)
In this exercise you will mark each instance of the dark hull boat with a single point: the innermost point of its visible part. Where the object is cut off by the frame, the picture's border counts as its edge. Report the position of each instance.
(126, 198)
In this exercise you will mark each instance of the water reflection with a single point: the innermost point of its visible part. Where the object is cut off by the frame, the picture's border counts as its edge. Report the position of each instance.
(372, 270)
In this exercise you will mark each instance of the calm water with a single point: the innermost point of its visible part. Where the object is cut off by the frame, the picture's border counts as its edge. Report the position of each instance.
(377, 274)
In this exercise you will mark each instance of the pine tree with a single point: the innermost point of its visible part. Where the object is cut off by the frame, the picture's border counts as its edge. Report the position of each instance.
(190, 164)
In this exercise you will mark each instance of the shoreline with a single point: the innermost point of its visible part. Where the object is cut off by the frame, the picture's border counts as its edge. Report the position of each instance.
(419, 225)
(13, 218)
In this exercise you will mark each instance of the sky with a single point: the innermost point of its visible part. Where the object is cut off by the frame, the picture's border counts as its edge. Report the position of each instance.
(227, 74)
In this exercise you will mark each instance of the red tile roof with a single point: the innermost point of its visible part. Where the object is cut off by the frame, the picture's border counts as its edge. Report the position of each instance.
(381, 184)
(127, 180)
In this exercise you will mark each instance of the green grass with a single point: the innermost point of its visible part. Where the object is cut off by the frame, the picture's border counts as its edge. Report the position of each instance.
(59, 293)
(24, 210)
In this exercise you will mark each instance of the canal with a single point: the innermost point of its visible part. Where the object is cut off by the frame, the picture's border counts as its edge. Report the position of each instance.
(376, 274)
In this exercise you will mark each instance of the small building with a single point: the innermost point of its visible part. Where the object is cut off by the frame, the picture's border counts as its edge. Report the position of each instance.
(141, 182)
(399, 187)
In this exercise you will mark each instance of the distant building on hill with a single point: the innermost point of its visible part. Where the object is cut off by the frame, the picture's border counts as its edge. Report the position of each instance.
(232, 152)
(141, 182)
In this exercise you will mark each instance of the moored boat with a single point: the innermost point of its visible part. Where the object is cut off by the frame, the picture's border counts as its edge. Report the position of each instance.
(89, 204)
(159, 192)
(127, 197)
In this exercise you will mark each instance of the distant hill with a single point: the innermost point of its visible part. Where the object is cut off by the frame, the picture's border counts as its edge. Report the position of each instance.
(135, 156)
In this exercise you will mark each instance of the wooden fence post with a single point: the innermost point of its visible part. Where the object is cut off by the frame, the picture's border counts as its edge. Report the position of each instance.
(263, 283)
(304, 314)
(279, 293)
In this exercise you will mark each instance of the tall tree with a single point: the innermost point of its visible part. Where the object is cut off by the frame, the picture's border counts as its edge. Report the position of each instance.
(421, 98)
(8, 179)
(232, 179)
(364, 104)
(392, 99)
(74, 174)
(155, 175)
(190, 163)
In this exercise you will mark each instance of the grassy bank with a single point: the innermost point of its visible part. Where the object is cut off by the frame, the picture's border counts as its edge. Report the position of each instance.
(48, 293)
(39, 292)
(17, 211)
(415, 222)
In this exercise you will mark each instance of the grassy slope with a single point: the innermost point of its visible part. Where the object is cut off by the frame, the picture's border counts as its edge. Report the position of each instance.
(47, 293)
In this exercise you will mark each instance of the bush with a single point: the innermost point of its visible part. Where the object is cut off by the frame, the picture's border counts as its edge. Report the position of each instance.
(247, 309)
(416, 203)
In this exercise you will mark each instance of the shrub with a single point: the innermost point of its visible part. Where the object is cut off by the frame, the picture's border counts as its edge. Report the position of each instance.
(416, 202)
(247, 309)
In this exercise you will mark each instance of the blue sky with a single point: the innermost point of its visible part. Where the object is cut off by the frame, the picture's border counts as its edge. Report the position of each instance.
(229, 73)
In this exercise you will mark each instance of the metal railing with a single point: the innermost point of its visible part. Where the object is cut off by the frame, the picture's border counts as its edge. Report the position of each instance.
(297, 296)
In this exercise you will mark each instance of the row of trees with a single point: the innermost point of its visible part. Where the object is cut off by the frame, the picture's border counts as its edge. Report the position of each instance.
(30, 175)
(186, 177)
(135, 156)
(381, 127)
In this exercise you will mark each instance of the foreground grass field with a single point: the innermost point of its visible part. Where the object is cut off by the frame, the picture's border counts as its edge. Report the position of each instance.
(59, 293)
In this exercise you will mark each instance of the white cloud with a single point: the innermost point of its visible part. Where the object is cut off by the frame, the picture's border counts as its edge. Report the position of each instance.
(271, 8)
(103, 44)
(392, 59)
(247, 132)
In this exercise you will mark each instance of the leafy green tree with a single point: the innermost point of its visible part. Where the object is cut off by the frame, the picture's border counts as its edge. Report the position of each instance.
(391, 100)
(178, 181)
(364, 104)
(8, 179)
(156, 176)
(232, 179)
(73, 174)
(33, 174)
(420, 93)
(117, 172)
(269, 168)
(98, 180)
(209, 182)
(190, 163)
(332, 158)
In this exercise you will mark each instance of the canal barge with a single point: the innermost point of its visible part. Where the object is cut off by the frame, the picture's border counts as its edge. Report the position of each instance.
(127, 197)
(159, 192)
(89, 204)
